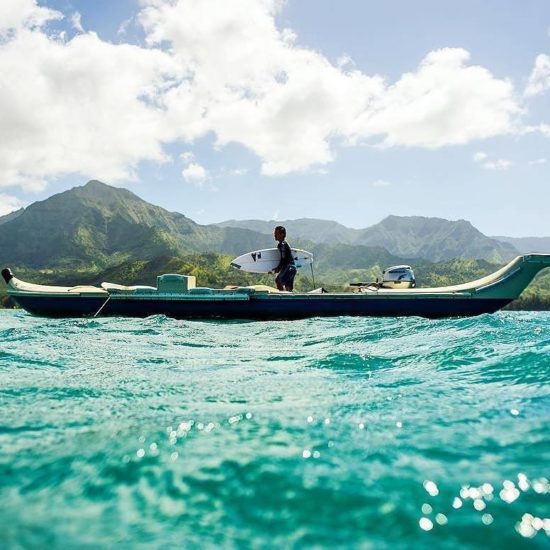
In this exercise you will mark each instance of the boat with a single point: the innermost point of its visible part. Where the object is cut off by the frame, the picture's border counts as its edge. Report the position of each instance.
(178, 296)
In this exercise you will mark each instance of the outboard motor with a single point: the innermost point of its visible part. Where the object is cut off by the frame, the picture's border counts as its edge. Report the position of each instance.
(398, 276)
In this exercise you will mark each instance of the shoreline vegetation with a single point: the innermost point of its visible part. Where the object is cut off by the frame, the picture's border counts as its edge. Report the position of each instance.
(213, 270)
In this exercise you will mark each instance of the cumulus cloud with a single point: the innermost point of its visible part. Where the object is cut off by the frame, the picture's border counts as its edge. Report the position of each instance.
(18, 14)
(194, 173)
(499, 164)
(539, 80)
(84, 106)
(345, 61)
(261, 90)
(445, 102)
(286, 102)
(98, 109)
(9, 204)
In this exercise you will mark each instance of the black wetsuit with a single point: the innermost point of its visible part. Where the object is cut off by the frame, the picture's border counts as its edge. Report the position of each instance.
(286, 267)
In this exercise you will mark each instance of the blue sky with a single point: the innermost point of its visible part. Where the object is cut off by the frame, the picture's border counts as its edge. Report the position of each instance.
(349, 110)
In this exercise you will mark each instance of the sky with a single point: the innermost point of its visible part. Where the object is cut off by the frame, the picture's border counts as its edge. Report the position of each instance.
(269, 109)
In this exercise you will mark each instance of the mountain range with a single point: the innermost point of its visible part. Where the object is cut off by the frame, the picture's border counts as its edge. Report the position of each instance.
(96, 226)
(527, 244)
(408, 236)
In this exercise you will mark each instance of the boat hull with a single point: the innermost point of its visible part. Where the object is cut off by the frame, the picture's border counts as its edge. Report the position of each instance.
(265, 308)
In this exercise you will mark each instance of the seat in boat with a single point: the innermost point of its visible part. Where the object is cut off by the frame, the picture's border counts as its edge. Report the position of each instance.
(110, 287)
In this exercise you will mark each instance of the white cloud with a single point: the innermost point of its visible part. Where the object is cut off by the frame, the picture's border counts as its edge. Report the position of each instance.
(123, 27)
(445, 102)
(286, 103)
(543, 129)
(480, 156)
(499, 164)
(539, 80)
(9, 204)
(538, 161)
(194, 173)
(238, 172)
(483, 160)
(345, 61)
(18, 14)
(187, 157)
(84, 106)
(281, 101)
(98, 109)
(76, 21)
(380, 183)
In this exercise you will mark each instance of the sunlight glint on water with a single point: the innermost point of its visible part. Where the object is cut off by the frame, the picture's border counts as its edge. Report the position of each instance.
(322, 432)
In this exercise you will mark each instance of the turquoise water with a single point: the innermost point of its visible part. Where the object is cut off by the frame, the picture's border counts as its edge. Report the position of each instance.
(345, 432)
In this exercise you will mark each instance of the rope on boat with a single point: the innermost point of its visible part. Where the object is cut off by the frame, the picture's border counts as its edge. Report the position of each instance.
(102, 306)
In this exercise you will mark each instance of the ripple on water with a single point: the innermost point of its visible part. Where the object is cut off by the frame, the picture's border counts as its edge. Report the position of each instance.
(322, 432)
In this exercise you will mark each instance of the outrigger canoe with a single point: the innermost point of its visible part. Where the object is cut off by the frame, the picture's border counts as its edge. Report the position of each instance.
(178, 296)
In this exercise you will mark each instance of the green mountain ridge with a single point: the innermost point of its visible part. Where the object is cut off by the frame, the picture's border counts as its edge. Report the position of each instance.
(96, 226)
(406, 236)
(310, 229)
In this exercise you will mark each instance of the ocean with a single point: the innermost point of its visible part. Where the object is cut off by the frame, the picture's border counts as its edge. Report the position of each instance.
(319, 433)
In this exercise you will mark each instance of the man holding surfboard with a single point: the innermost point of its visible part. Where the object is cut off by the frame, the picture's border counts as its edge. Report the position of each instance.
(286, 270)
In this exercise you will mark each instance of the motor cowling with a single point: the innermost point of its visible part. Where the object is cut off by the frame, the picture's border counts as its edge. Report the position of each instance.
(398, 276)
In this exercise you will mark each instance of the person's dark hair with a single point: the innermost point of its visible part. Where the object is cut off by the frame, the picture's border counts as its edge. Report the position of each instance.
(281, 229)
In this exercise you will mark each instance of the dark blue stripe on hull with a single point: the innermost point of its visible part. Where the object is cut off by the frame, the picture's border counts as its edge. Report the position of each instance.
(264, 308)
(60, 307)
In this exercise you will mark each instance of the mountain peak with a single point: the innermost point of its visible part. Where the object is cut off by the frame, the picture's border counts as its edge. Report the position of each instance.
(95, 184)
(96, 225)
(99, 190)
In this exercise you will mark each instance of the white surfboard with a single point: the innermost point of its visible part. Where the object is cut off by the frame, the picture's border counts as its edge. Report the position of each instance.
(264, 261)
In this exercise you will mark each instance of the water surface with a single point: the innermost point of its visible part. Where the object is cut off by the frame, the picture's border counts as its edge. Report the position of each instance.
(344, 432)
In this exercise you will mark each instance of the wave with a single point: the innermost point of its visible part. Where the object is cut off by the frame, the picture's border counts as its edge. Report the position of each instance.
(382, 432)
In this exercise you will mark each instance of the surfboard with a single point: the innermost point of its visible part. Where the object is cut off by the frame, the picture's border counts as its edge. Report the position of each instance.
(266, 260)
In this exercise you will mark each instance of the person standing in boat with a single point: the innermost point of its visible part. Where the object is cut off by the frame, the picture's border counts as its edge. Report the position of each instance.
(286, 270)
